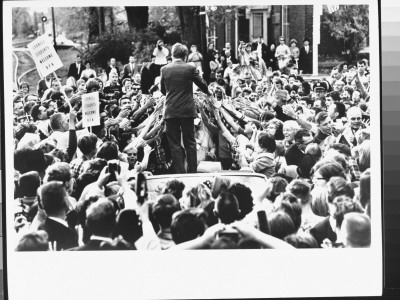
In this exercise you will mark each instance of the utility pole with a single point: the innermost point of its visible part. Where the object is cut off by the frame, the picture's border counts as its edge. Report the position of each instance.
(203, 39)
(54, 29)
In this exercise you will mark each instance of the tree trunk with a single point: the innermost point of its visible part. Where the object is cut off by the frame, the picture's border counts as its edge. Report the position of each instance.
(138, 16)
(190, 24)
(93, 23)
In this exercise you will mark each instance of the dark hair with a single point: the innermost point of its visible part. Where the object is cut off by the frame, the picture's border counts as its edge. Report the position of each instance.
(227, 207)
(187, 225)
(365, 188)
(244, 197)
(164, 208)
(108, 151)
(267, 142)
(293, 210)
(92, 84)
(87, 143)
(174, 187)
(179, 51)
(53, 197)
(321, 116)
(27, 159)
(342, 149)
(328, 170)
(345, 205)
(298, 136)
(281, 224)
(278, 186)
(301, 240)
(100, 217)
(128, 225)
(301, 189)
(33, 241)
(35, 112)
(338, 186)
(340, 109)
(28, 184)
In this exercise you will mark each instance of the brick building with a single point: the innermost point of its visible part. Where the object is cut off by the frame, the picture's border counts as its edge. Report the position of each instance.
(268, 21)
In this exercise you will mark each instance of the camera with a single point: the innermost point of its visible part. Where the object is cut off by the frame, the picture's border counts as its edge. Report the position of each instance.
(112, 168)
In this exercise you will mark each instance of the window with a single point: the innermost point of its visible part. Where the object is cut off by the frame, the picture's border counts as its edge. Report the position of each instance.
(258, 24)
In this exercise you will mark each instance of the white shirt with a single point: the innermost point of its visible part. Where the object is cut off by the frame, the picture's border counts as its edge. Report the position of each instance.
(161, 56)
(61, 221)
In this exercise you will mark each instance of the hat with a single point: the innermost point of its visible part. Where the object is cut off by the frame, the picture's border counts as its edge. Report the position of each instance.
(320, 85)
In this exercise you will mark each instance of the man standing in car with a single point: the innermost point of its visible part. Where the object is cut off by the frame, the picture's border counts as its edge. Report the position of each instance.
(177, 81)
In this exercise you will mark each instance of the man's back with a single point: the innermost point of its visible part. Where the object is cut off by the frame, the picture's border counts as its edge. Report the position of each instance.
(177, 84)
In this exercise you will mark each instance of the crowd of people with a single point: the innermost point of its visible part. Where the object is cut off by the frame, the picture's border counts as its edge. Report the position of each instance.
(79, 188)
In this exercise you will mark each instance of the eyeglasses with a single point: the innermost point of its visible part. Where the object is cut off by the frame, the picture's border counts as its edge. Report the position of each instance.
(354, 119)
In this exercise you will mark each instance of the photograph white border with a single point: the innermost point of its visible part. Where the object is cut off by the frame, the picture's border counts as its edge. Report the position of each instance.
(197, 274)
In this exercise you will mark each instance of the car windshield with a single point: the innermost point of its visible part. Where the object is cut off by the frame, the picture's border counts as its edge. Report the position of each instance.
(256, 182)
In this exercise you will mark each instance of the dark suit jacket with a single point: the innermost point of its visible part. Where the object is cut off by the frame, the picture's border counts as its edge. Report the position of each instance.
(41, 87)
(306, 60)
(264, 51)
(128, 72)
(108, 70)
(177, 80)
(294, 155)
(322, 231)
(73, 71)
(65, 237)
(146, 80)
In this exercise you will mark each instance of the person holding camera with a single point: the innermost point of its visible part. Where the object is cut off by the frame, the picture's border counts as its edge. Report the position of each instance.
(160, 53)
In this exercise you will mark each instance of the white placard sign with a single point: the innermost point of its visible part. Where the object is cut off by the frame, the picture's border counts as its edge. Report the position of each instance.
(45, 56)
(90, 109)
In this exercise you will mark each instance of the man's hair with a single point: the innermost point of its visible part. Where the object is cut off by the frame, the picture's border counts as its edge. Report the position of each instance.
(164, 208)
(108, 151)
(35, 112)
(179, 51)
(92, 83)
(281, 224)
(55, 121)
(342, 149)
(364, 160)
(328, 170)
(53, 197)
(301, 189)
(301, 240)
(59, 171)
(293, 210)
(345, 205)
(300, 134)
(338, 186)
(128, 225)
(358, 227)
(28, 183)
(33, 241)
(340, 108)
(227, 207)
(101, 217)
(87, 143)
(244, 197)
(187, 225)
(174, 187)
(267, 142)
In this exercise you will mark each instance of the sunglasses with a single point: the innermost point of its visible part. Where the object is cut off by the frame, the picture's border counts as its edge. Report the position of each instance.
(354, 119)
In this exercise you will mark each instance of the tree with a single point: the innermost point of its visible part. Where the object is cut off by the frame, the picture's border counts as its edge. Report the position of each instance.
(189, 17)
(350, 26)
(138, 16)
(21, 22)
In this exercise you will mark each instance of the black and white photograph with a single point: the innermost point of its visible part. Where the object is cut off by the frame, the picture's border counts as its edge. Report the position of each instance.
(137, 133)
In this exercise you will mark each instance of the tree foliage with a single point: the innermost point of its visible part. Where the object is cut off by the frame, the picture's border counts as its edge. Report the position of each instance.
(21, 22)
(189, 17)
(349, 26)
(138, 16)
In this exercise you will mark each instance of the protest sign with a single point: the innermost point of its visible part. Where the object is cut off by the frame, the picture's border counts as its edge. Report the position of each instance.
(90, 109)
(45, 56)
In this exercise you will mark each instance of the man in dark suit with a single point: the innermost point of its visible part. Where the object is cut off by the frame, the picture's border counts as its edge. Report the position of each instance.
(112, 66)
(145, 77)
(54, 201)
(100, 222)
(43, 85)
(177, 81)
(130, 68)
(306, 58)
(75, 69)
(295, 153)
(261, 48)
